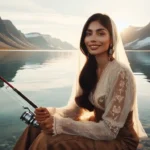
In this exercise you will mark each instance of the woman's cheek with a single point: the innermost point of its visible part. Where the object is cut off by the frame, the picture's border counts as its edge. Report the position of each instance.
(86, 40)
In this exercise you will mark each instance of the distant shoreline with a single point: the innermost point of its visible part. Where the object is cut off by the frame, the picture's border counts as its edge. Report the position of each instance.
(64, 50)
(137, 50)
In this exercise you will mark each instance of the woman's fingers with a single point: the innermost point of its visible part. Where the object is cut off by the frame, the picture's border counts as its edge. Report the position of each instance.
(43, 125)
(47, 124)
(42, 116)
(41, 111)
(40, 119)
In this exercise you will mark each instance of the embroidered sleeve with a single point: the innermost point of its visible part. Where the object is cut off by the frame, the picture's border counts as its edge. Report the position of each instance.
(70, 111)
(119, 105)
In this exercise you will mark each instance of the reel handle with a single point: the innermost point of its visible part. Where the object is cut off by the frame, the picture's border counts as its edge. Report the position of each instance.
(29, 117)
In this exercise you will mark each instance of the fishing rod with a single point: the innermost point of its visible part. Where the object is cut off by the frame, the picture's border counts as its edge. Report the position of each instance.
(28, 116)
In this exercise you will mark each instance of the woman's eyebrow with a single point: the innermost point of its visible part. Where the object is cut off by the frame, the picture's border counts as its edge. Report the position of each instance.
(100, 29)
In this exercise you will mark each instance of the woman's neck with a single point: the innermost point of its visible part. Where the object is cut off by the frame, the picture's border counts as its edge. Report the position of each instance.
(102, 60)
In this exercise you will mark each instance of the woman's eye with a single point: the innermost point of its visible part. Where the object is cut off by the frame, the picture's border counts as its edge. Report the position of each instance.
(101, 33)
(88, 33)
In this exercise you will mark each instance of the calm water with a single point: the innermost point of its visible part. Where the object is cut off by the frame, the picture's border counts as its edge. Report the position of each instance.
(45, 77)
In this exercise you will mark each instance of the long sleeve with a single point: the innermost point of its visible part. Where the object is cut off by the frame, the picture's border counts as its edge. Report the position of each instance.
(114, 117)
(72, 110)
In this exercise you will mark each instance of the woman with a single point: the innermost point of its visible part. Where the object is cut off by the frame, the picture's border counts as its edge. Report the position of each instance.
(105, 87)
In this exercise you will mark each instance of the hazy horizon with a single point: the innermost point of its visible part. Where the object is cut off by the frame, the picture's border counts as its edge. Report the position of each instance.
(65, 19)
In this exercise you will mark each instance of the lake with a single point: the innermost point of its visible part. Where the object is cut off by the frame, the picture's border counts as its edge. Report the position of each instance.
(46, 77)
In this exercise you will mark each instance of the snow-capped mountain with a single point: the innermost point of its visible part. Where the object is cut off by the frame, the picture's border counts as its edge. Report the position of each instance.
(30, 35)
(12, 38)
(139, 44)
(136, 38)
(45, 41)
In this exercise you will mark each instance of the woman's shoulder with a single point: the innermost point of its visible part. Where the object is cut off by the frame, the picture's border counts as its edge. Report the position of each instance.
(119, 71)
(119, 67)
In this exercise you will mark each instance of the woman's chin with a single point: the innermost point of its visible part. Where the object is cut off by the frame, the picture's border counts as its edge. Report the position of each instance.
(94, 53)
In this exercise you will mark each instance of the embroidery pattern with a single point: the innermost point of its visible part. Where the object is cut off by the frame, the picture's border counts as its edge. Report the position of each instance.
(117, 102)
(101, 101)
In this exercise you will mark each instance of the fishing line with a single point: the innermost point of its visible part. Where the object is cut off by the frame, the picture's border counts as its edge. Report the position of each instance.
(28, 116)
(12, 95)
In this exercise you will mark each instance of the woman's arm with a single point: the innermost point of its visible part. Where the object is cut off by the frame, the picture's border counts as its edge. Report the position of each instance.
(114, 117)
(70, 111)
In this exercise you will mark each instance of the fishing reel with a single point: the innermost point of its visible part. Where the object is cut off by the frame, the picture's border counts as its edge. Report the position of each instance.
(29, 117)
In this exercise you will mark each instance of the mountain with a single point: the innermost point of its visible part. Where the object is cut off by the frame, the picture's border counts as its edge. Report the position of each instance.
(136, 38)
(45, 41)
(12, 38)
(38, 40)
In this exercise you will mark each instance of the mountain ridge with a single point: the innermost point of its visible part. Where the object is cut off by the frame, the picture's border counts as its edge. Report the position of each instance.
(12, 38)
(136, 38)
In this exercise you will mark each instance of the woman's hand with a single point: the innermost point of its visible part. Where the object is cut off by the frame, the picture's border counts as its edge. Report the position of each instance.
(41, 114)
(47, 125)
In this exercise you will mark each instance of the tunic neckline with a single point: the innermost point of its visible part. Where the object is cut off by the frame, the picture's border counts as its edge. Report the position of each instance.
(100, 79)
(103, 72)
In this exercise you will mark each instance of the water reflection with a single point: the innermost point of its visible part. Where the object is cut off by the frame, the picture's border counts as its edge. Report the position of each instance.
(140, 62)
(46, 78)
(38, 75)
(11, 62)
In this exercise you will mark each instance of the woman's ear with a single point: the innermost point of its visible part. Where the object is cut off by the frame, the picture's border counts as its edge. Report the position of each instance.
(111, 45)
(111, 42)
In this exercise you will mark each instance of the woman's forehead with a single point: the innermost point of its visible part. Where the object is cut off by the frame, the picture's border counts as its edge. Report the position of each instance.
(95, 25)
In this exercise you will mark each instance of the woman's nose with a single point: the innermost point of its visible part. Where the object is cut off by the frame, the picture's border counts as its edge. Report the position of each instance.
(93, 37)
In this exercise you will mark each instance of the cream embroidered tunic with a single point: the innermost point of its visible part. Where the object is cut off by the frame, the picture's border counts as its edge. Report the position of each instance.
(114, 93)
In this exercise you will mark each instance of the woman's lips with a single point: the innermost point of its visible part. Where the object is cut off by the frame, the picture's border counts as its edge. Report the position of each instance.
(94, 47)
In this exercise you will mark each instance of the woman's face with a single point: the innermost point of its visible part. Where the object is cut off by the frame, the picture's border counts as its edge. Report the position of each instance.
(97, 39)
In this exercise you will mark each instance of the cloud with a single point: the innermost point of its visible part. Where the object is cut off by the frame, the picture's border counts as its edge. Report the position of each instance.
(66, 27)
(21, 6)
(44, 17)
(69, 15)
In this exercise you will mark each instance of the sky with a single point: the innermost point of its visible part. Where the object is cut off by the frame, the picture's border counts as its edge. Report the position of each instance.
(64, 19)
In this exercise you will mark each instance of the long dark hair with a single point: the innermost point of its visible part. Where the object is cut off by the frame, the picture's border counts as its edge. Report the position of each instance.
(88, 76)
